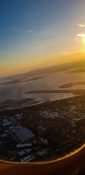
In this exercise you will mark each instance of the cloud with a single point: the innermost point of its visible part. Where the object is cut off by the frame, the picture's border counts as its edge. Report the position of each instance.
(16, 29)
(81, 25)
(29, 30)
(81, 35)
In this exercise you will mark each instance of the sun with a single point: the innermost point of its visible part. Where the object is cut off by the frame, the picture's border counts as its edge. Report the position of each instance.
(83, 43)
(81, 37)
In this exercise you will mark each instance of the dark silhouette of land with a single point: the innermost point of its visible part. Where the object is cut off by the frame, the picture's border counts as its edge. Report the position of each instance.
(74, 91)
(72, 164)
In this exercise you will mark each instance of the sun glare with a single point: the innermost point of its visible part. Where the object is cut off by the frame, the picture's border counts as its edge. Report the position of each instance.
(81, 37)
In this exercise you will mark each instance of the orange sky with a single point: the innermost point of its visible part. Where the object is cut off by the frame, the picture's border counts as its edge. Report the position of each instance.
(10, 68)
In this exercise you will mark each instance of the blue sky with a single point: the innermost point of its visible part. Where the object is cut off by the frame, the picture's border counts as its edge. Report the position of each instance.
(31, 30)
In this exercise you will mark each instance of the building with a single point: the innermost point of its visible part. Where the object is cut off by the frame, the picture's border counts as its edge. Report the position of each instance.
(23, 134)
(6, 122)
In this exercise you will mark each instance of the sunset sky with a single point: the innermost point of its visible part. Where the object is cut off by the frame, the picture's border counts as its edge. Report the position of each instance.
(38, 33)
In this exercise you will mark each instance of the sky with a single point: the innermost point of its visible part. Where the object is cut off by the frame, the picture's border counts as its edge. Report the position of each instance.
(39, 33)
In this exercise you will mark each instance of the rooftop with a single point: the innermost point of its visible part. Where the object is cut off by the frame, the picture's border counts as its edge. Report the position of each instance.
(23, 134)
